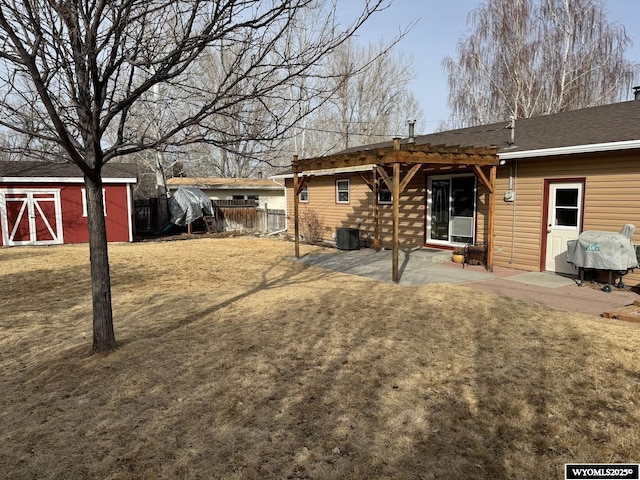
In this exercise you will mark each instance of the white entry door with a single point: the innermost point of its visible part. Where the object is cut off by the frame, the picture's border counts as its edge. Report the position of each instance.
(30, 217)
(564, 223)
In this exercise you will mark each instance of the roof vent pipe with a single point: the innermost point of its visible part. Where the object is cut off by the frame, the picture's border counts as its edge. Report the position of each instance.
(412, 126)
(512, 127)
(636, 92)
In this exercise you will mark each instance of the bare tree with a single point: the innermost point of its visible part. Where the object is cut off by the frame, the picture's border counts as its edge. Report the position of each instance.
(88, 70)
(525, 58)
(371, 103)
(244, 138)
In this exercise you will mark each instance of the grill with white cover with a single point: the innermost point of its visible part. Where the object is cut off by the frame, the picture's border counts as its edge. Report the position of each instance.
(607, 251)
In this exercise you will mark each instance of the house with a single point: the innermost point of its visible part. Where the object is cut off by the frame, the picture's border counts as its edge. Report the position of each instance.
(524, 187)
(44, 203)
(267, 193)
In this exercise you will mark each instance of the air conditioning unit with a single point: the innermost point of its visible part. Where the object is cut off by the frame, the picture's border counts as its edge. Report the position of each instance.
(348, 238)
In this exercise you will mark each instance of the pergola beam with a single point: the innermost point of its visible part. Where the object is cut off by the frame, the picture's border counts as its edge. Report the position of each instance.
(435, 158)
(483, 179)
(437, 155)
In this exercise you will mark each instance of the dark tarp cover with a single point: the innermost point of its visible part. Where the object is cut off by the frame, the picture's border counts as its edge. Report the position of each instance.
(189, 204)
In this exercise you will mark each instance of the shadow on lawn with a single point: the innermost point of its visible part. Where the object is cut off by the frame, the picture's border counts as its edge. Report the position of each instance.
(395, 382)
(13, 253)
(533, 398)
(332, 402)
(292, 274)
(38, 290)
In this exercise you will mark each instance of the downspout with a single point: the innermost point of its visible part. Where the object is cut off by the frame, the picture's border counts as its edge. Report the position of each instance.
(513, 176)
(286, 221)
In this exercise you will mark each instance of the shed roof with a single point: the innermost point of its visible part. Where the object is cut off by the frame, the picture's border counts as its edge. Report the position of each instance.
(46, 171)
(224, 183)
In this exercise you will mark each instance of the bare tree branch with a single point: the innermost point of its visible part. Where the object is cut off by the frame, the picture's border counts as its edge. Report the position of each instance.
(89, 69)
(526, 58)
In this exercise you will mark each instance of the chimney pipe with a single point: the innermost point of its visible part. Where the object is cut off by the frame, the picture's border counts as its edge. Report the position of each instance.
(412, 126)
(636, 92)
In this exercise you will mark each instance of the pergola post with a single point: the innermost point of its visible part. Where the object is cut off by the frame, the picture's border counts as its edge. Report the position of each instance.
(395, 191)
(490, 185)
(492, 215)
(296, 222)
(376, 211)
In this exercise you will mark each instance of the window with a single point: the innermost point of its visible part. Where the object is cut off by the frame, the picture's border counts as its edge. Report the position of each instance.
(84, 202)
(384, 196)
(304, 194)
(451, 209)
(567, 207)
(342, 191)
(248, 199)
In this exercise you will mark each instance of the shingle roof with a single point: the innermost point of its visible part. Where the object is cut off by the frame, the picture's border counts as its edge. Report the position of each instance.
(616, 122)
(18, 169)
(224, 183)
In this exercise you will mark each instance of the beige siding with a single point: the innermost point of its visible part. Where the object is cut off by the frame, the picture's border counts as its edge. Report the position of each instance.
(611, 199)
(322, 201)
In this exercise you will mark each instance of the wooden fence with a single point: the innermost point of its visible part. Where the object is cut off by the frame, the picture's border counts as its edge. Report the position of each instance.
(146, 215)
(229, 215)
(245, 215)
(272, 219)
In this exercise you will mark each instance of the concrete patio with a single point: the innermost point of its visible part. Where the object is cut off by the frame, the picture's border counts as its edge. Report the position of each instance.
(430, 266)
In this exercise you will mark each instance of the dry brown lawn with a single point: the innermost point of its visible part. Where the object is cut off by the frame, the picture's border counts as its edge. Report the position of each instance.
(235, 362)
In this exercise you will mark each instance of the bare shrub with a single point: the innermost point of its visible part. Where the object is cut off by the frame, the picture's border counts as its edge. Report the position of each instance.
(312, 226)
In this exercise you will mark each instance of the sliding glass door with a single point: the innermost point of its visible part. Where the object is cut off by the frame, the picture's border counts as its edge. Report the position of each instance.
(451, 207)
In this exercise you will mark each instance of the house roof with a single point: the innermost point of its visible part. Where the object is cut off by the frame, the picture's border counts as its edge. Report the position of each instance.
(594, 129)
(614, 126)
(33, 172)
(224, 183)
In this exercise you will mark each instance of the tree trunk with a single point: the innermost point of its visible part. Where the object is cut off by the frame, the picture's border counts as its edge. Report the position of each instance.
(103, 334)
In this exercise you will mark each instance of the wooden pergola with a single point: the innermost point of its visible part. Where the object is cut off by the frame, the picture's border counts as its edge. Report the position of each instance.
(414, 158)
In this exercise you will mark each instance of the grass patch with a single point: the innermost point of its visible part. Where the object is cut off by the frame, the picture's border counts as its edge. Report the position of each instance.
(235, 362)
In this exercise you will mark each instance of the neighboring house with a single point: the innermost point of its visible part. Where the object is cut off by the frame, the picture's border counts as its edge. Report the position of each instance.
(44, 203)
(556, 176)
(267, 193)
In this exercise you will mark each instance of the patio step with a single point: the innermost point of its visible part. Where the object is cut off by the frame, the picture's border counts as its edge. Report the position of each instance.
(433, 255)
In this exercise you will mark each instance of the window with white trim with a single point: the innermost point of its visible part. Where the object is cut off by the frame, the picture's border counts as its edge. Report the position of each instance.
(254, 198)
(342, 191)
(384, 196)
(303, 196)
(84, 202)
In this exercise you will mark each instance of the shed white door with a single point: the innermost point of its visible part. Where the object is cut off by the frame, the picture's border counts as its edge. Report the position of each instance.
(564, 217)
(31, 217)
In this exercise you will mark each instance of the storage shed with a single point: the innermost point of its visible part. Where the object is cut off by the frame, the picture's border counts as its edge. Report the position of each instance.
(44, 203)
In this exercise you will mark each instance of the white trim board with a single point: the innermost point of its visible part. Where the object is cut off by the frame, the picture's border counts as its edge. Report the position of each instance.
(591, 148)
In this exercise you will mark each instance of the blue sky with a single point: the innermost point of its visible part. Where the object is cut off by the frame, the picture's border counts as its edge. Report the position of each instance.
(437, 32)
